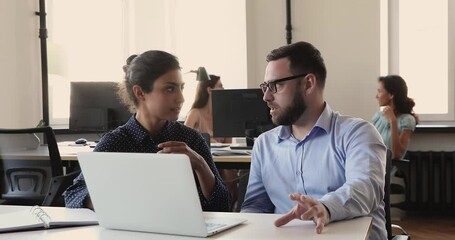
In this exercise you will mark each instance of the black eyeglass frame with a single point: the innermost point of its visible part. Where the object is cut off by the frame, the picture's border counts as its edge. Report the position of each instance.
(266, 85)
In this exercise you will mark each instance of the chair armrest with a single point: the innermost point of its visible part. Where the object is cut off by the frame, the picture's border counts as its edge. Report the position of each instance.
(402, 164)
(403, 235)
(400, 237)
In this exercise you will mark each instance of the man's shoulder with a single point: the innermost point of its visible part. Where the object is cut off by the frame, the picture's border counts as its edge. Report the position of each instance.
(354, 131)
(274, 132)
(350, 123)
(269, 138)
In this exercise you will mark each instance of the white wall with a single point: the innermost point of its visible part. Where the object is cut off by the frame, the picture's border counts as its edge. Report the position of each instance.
(347, 34)
(209, 33)
(348, 40)
(266, 21)
(20, 94)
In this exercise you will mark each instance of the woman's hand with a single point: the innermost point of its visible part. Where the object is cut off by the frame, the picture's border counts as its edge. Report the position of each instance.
(389, 114)
(197, 162)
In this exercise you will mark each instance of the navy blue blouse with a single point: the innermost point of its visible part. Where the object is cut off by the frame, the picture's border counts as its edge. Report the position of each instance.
(132, 137)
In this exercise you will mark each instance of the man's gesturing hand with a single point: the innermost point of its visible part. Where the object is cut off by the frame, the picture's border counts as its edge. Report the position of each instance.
(307, 208)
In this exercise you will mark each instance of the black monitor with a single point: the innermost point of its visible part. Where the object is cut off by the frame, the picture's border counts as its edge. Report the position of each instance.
(240, 113)
(96, 107)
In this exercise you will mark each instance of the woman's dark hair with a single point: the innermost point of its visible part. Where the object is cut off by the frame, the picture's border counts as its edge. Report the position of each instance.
(143, 71)
(396, 86)
(202, 95)
(128, 62)
(303, 58)
(130, 59)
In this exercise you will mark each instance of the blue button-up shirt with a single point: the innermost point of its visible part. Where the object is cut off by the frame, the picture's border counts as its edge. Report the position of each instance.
(341, 162)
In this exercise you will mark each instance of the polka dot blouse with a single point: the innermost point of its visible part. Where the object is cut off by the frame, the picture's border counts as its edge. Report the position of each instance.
(132, 137)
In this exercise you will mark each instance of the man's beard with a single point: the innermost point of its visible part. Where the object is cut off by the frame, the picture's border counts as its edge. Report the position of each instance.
(293, 112)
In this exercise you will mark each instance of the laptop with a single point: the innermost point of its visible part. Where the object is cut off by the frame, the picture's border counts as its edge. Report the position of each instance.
(148, 192)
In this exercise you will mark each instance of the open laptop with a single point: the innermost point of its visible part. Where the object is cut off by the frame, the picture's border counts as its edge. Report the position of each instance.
(147, 192)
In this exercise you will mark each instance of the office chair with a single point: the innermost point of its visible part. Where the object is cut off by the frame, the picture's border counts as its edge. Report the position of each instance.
(57, 187)
(29, 158)
(403, 167)
(389, 225)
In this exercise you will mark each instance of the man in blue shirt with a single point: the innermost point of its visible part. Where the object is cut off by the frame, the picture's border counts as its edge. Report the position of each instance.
(317, 165)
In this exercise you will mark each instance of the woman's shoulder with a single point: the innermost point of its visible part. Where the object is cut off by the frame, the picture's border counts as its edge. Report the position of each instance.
(194, 111)
(180, 128)
(377, 118)
(407, 120)
(180, 132)
(406, 116)
(113, 140)
(193, 117)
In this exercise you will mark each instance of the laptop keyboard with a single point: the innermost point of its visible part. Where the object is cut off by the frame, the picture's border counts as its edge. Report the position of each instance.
(212, 226)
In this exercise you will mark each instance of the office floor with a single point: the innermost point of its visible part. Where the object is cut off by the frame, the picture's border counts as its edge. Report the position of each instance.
(428, 227)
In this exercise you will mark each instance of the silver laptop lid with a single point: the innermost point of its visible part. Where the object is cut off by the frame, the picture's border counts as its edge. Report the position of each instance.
(144, 192)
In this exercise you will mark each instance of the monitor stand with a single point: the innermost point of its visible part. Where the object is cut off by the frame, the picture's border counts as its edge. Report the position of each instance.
(241, 147)
(250, 135)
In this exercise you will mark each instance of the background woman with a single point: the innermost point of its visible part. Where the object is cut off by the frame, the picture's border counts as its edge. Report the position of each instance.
(397, 120)
(395, 123)
(200, 115)
(200, 118)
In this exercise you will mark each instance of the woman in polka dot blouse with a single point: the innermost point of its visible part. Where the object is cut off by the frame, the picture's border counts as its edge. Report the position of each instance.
(153, 89)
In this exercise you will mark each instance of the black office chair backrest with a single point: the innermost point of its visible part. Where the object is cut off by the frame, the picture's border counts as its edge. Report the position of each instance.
(206, 137)
(57, 187)
(29, 158)
(388, 218)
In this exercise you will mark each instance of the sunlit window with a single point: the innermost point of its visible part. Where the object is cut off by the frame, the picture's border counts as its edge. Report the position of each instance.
(419, 37)
(90, 40)
(85, 44)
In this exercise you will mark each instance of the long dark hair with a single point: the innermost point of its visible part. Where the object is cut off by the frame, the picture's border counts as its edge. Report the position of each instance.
(396, 86)
(143, 71)
(202, 96)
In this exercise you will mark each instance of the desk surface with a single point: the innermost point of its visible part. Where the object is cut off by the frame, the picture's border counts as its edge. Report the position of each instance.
(258, 226)
(69, 153)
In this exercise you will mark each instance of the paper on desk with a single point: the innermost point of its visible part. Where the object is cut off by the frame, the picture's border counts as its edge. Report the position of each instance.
(230, 152)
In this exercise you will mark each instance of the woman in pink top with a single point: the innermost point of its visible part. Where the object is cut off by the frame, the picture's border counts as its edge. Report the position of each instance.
(200, 118)
(200, 115)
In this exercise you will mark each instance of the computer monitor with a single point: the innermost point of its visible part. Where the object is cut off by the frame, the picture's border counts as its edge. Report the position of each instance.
(96, 107)
(240, 113)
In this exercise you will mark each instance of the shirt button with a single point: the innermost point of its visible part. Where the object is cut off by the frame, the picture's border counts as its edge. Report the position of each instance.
(297, 173)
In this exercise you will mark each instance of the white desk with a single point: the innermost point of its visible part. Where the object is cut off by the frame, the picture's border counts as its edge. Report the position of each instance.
(258, 226)
(69, 153)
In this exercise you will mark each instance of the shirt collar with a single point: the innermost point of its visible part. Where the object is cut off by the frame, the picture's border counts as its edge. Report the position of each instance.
(325, 119)
(324, 122)
(140, 133)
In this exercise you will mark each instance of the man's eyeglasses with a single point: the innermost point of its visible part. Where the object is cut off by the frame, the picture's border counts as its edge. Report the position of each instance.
(271, 85)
